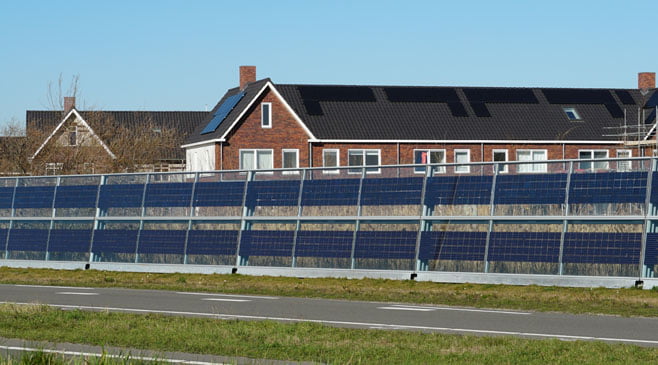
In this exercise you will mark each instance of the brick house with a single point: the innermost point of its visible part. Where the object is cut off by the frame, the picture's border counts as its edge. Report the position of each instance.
(263, 125)
(95, 131)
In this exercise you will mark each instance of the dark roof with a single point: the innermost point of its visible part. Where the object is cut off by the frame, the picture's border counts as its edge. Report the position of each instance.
(250, 92)
(353, 112)
(183, 122)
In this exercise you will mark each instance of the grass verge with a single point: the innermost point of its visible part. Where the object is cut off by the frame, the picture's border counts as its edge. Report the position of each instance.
(300, 341)
(623, 302)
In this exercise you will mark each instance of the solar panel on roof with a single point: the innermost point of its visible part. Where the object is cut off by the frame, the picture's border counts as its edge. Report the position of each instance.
(625, 97)
(427, 95)
(313, 95)
(480, 110)
(584, 96)
(500, 95)
(222, 112)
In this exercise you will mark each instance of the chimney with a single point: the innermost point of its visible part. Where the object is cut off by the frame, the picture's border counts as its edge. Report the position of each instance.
(69, 103)
(247, 75)
(646, 80)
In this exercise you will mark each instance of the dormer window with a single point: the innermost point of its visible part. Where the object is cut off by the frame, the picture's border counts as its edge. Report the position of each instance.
(572, 114)
(266, 115)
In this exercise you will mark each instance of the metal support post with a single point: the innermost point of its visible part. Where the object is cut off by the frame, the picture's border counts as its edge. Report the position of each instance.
(492, 206)
(244, 224)
(422, 222)
(11, 222)
(298, 225)
(565, 221)
(645, 271)
(191, 214)
(141, 220)
(357, 222)
(52, 216)
(97, 214)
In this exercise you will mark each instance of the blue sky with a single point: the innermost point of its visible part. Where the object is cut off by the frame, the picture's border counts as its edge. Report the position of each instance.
(183, 55)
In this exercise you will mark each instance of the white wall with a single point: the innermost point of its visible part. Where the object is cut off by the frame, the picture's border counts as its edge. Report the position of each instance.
(200, 158)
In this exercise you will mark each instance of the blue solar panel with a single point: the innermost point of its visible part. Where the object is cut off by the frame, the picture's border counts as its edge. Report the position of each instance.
(458, 190)
(69, 240)
(609, 187)
(222, 112)
(651, 254)
(273, 193)
(530, 189)
(266, 243)
(437, 245)
(324, 244)
(209, 242)
(330, 192)
(218, 194)
(168, 195)
(524, 246)
(83, 196)
(121, 195)
(6, 196)
(602, 248)
(34, 197)
(385, 245)
(115, 241)
(28, 240)
(162, 242)
(392, 191)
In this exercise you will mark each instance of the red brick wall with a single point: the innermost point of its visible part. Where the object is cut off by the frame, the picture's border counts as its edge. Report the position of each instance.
(285, 133)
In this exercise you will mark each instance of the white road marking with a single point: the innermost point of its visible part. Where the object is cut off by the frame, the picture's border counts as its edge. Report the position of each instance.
(74, 293)
(54, 287)
(79, 353)
(357, 324)
(227, 300)
(430, 309)
(226, 295)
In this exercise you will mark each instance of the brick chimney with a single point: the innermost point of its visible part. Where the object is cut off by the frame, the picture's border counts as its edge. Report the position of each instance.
(69, 103)
(247, 75)
(646, 80)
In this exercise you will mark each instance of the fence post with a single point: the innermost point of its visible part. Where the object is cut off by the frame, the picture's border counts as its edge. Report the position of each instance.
(422, 223)
(299, 216)
(141, 221)
(646, 271)
(97, 214)
(52, 216)
(11, 222)
(244, 225)
(565, 221)
(492, 197)
(191, 214)
(357, 222)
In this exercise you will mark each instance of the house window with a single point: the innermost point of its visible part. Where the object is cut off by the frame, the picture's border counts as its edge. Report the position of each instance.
(572, 114)
(462, 156)
(532, 155)
(593, 165)
(256, 159)
(54, 168)
(266, 115)
(500, 156)
(330, 158)
(624, 165)
(73, 138)
(426, 157)
(290, 160)
(363, 158)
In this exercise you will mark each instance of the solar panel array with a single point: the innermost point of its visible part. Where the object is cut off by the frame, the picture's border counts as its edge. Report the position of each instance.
(584, 96)
(427, 95)
(359, 221)
(222, 112)
(479, 97)
(313, 95)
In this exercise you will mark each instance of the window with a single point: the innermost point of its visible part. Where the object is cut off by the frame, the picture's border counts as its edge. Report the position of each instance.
(363, 158)
(532, 155)
(266, 115)
(500, 156)
(571, 113)
(290, 160)
(255, 159)
(593, 154)
(624, 165)
(429, 157)
(462, 156)
(330, 158)
(73, 138)
(54, 168)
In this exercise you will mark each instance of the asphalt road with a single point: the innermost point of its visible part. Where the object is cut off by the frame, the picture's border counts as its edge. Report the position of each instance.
(393, 316)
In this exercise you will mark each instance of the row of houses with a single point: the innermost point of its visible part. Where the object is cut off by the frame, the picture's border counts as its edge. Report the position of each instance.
(264, 125)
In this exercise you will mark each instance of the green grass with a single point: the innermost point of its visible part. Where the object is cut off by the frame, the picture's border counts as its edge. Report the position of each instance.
(300, 341)
(623, 302)
(46, 358)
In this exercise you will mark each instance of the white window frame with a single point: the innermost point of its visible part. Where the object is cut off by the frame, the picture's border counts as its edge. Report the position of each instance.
(364, 153)
(462, 169)
(569, 109)
(440, 169)
(502, 167)
(324, 160)
(255, 162)
(536, 167)
(624, 165)
(262, 115)
(592, 163)
(283, 159)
